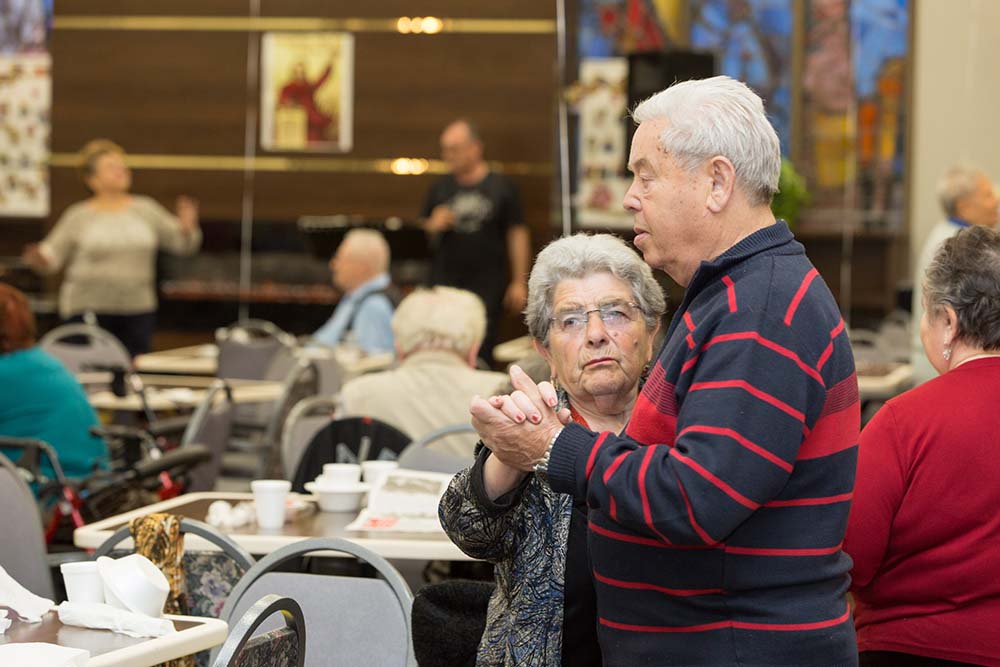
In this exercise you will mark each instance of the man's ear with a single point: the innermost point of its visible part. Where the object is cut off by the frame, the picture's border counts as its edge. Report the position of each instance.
(723, 182)
(473, 355)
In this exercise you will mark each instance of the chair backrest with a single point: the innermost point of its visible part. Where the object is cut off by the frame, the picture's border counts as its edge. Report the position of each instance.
(240, 650)
(210, 575)
(304, 421)
(301, 382)
(363, 621)
(210, 426)
(192, 527)
(417, 456)
(79, 346)
(250, 348)
(348, 440)
(22, 552)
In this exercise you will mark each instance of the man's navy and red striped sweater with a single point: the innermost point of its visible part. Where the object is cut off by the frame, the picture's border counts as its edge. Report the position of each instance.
(716, 521)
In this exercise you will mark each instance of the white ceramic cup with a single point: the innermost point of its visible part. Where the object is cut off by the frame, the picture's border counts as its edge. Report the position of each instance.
(83, 582)
(374, 471)
(341, 473)
(269, 501)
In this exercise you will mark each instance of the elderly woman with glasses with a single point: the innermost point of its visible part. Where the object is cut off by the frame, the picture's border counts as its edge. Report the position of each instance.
(593, 310)
(924, 530)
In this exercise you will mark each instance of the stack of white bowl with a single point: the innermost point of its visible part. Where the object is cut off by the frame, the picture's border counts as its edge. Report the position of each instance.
(340, 488)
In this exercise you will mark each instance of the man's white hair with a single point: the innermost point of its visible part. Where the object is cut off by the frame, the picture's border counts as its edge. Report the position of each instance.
(439, 318)
(718, 116)
(370, 246)
(956, 184)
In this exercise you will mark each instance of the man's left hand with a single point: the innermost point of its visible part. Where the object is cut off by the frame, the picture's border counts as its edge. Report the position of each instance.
(516, 296)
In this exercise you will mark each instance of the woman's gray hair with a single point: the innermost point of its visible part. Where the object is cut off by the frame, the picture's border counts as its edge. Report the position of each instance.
(965, 274)
(579, 256)
(957, 183)
(439, 318)
(718, 116)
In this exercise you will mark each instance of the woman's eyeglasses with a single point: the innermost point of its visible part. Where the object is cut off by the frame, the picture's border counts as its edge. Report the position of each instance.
(616, 315)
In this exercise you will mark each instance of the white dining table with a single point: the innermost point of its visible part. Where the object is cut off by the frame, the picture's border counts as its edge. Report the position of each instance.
(111, 649)
(312, 523)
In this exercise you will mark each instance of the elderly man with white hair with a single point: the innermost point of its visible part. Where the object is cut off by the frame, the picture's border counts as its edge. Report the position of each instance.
(438, 333)
(967, 197)
(360, 269)
(716, 517)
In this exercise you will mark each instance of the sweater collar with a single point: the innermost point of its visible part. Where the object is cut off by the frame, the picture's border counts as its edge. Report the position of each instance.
(771, 237)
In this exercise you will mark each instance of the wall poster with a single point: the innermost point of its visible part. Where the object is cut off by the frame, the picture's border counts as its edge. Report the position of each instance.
(25, 102)
(307, 91)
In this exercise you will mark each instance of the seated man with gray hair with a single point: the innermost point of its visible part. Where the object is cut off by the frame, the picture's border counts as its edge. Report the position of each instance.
(968, 198)
(438, 332)
(360, 269)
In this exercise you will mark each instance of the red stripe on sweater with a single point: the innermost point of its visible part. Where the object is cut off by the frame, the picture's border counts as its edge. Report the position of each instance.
(797, 299)
(715, 481)
(727, 625)
(753, 391)
(705, 537)
(642, 586)
(653, 422)
(688, 321)
(593, 453)
(730, 433)
(832, 433)
(689, 364)
(647, 512)
(802, 502)
(647, 541)
(769, 344)
(760, 551)
(614, 466)
(690, 341)
(823, 358)
(730, 293)
(612, 508)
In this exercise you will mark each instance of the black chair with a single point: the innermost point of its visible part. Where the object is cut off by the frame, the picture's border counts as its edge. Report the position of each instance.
(22, 551)
(348, 440)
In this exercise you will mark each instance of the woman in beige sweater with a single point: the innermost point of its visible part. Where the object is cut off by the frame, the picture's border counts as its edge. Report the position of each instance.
(107, 245)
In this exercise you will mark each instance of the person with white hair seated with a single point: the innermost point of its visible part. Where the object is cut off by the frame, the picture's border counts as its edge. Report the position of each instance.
(438, 332)
(360, 269)
(968, 198)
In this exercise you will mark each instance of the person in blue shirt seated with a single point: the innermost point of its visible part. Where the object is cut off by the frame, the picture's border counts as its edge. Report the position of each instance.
(39, 398)
(363, 317)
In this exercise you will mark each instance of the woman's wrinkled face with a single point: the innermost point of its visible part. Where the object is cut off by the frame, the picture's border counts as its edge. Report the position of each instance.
(598, 343)
(110, 175)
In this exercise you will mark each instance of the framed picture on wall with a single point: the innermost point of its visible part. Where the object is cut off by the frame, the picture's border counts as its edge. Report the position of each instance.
(307, 91)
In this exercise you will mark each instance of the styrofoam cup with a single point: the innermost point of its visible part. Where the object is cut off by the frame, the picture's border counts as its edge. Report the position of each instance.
(83, 582)
(374, 471)
(341, 473)
(134, 583)
(269, 497)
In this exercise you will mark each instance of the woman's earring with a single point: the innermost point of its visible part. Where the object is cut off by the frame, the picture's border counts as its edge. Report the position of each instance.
(946, 353)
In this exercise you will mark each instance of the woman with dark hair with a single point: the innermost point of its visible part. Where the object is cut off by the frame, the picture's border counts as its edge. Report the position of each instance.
(39, 398)
(108, 246)
(924, 529)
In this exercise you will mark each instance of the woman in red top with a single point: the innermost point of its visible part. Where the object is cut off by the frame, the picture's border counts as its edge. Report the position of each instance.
(924, 530)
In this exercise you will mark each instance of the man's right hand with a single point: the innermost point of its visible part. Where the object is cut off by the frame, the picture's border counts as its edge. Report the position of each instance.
(442, 218)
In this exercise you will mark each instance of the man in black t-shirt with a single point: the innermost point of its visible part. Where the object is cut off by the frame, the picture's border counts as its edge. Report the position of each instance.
(476, 226)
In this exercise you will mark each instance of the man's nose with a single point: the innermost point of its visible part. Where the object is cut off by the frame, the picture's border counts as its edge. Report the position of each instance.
(631, 202)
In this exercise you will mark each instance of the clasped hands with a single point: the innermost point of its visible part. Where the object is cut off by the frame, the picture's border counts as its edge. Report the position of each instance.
(518, 427)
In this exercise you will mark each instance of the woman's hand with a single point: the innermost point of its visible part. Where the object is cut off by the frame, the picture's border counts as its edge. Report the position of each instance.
(33, 257)
(187, 212)
(518, 437)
